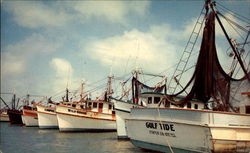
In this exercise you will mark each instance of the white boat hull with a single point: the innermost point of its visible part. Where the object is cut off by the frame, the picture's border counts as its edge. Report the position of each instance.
(120, 124)
(72, 119)
(46, 117)
(47, 121)
(4, 118)
(30, 120)
(122, 111)
(80, 123)
(187, 130)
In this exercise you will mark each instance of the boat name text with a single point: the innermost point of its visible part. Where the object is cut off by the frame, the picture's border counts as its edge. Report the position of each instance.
(49, 110)
(161, 126)
(75, 111)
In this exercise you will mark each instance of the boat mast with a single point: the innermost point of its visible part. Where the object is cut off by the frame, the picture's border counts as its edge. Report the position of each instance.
(27, 99)
(67, 95)
(175, 80)
(81, 94)
(135, 87)
(109, 91)
(13, 101)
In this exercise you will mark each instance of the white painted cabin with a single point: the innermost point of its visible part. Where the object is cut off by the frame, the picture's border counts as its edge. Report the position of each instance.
(153, 100)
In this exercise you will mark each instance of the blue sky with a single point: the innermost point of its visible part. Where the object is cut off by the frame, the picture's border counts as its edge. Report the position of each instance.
(46, 45)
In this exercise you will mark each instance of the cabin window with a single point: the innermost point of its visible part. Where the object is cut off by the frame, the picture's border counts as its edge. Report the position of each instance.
(195, 106)
(188, 105)
(157, 100)
(90, 103)
(100, 105)
(81, 106)
(110, 106)
(247, 109)
(149, 100)
(73, 105)
(95, 105)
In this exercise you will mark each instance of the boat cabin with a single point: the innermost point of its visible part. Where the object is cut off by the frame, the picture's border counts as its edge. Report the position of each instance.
(99, 106)
(150, 99)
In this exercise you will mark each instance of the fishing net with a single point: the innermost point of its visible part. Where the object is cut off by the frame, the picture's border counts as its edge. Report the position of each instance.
(139, 87)
(210, 81)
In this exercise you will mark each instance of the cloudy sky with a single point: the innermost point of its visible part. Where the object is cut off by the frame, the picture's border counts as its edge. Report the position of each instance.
(49, 45)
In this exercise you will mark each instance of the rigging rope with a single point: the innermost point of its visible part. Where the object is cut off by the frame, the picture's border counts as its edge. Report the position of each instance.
(242, 18)
(228, 21)
(163, 131)
(233, 22)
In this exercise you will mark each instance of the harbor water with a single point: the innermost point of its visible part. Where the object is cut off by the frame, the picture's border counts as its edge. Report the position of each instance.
(21, 139)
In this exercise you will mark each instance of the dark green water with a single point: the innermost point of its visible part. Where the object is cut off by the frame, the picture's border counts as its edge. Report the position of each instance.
(20, 139)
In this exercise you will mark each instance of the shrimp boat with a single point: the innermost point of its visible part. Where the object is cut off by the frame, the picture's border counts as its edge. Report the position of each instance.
(148, 97)
(98, 116)
(14, 113)
(46, 116)
(29, 116)
(29, 113)
(122, 107)
(4, 117)
(221, 124)
(15, 116)
(87, 115)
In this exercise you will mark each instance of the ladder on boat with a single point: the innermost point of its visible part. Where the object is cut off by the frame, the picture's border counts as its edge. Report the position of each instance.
(181, 66)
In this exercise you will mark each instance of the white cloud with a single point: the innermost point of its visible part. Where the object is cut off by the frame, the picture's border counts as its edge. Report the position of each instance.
(114, 11)
(14, 58)
(12, 64)
(63, 75)
(34, 14)
(62, 67)
(152, 50)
